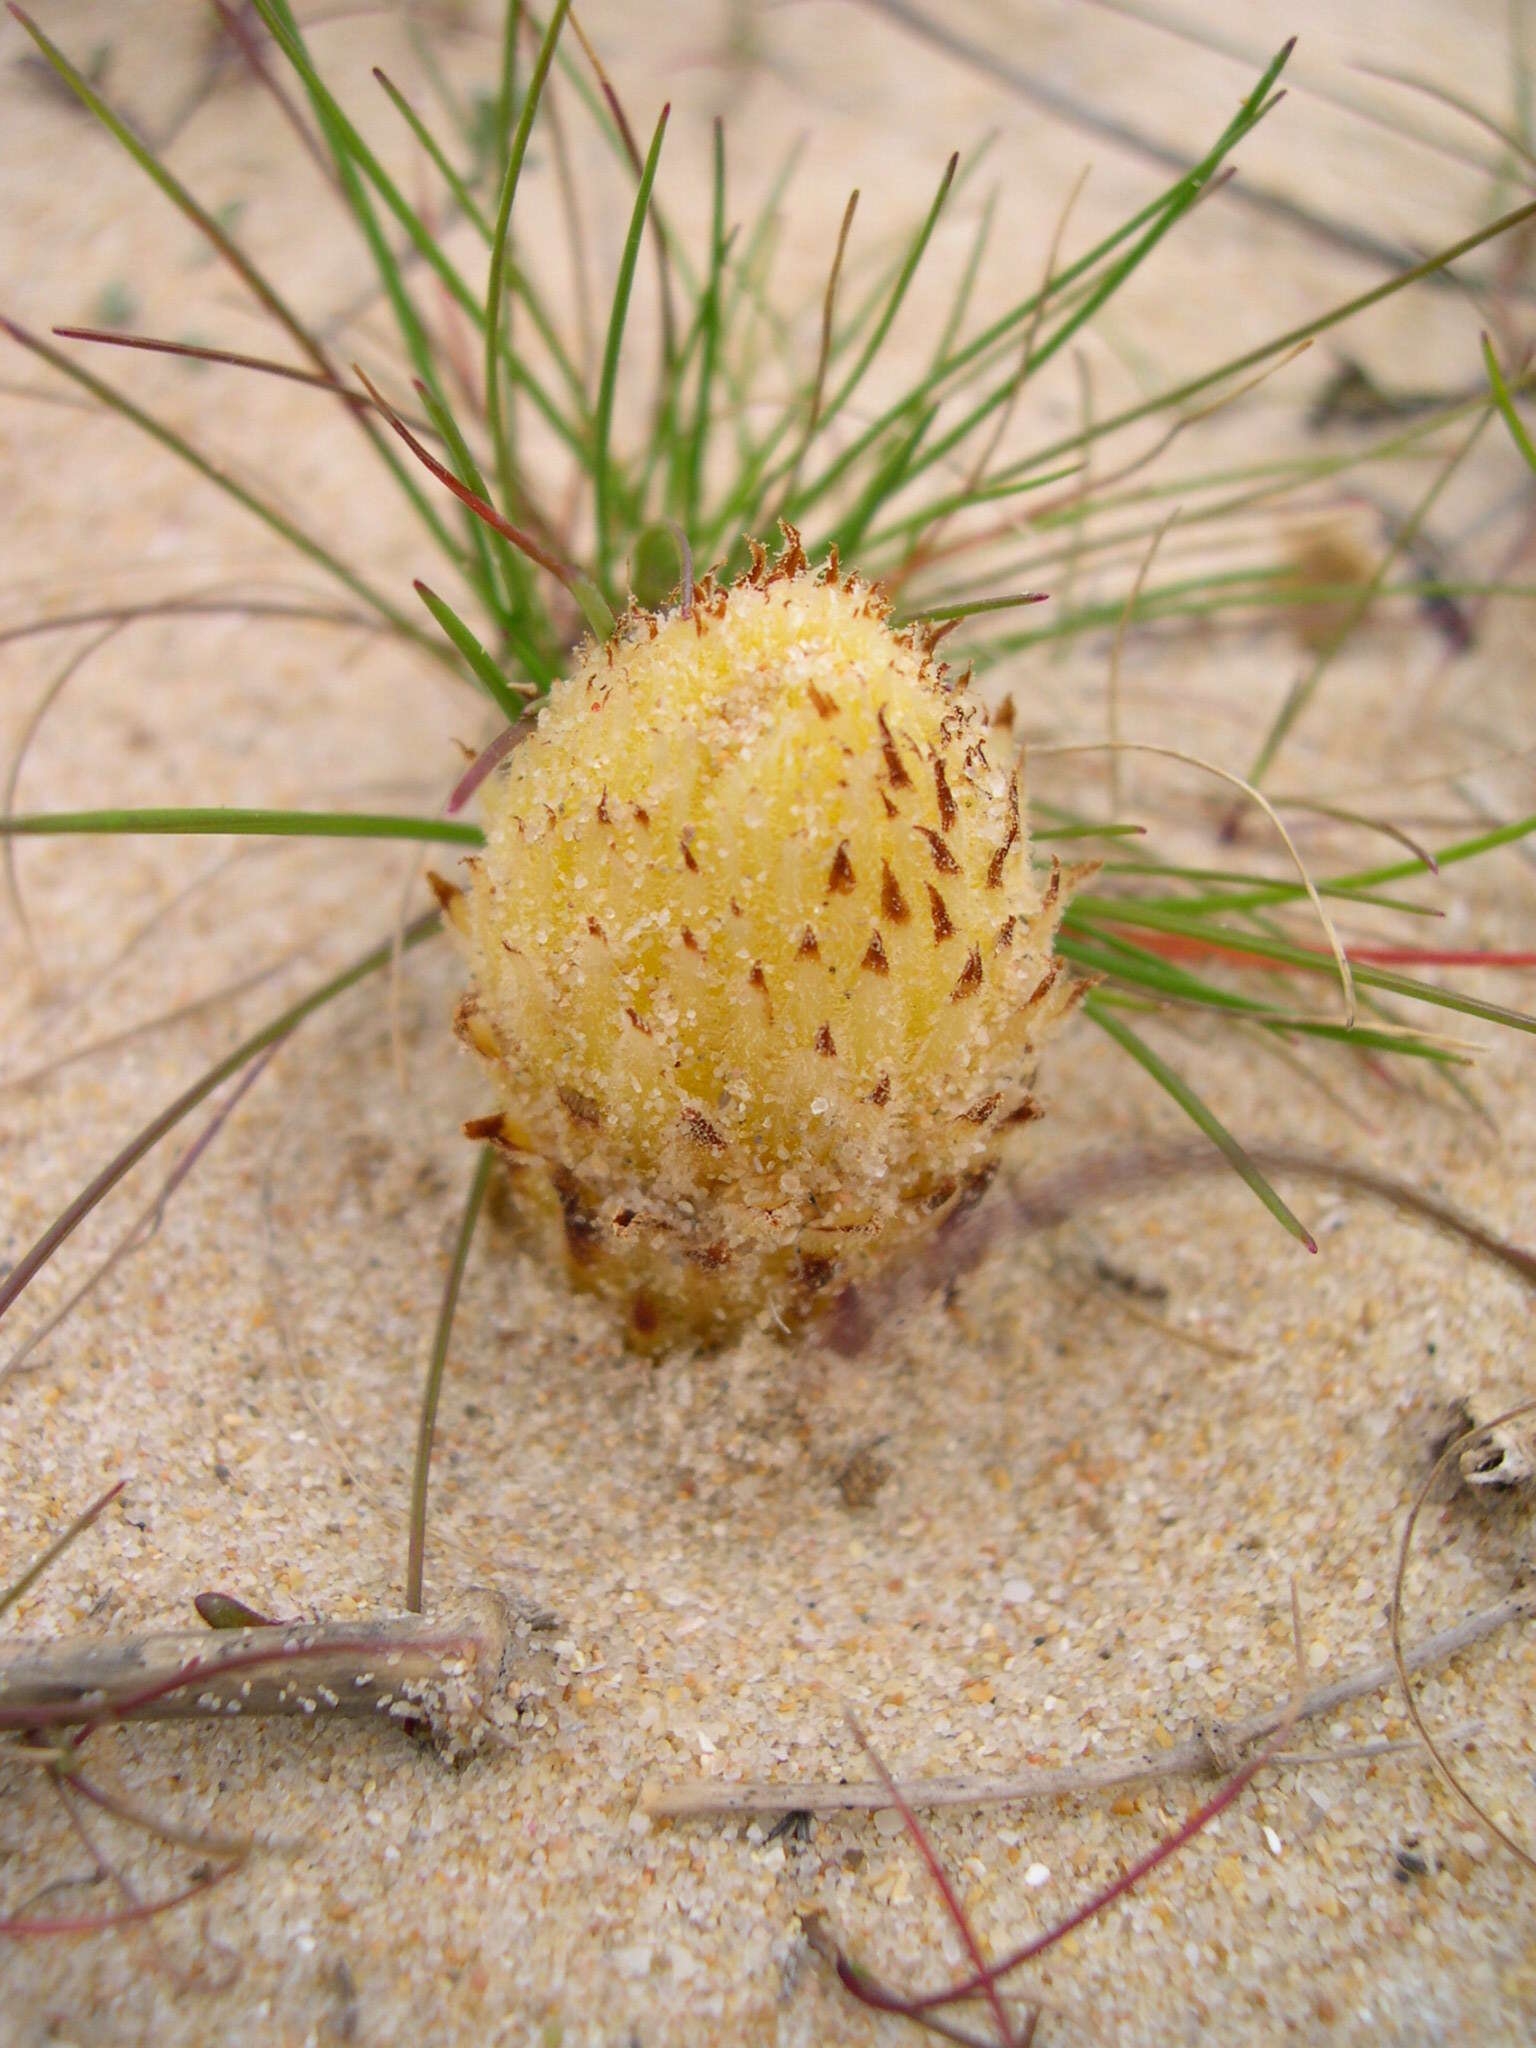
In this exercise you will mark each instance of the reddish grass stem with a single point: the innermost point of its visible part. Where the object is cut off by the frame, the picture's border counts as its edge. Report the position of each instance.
(481, 507)
(922, 2007)
(941, 1880)
(125, 1916)
(151, 344)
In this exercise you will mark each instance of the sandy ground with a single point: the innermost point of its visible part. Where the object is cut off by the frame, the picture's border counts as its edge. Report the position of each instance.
(1087, 1503)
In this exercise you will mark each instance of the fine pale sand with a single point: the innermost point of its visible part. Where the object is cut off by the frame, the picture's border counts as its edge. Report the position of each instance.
(1049, 1518)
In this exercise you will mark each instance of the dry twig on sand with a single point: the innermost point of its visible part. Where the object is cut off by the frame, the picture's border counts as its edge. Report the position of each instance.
(440, 1676)
(1213, 1749)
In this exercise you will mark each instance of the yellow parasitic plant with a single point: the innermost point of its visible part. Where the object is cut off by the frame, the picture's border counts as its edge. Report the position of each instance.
(761, 965)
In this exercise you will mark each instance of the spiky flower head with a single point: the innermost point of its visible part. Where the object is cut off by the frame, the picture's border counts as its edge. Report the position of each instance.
(761, 962)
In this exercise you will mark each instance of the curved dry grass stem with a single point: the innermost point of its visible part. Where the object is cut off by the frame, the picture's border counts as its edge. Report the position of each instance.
(1452, 1451)
(1227, 775)
(164, 1020)
(1433, 89)
(1385, 826)
(29, 732)
(21, 1275)
(1091, 483)
(195, 605)
(1112, 1175)
(133, 1815)
(196, 1977)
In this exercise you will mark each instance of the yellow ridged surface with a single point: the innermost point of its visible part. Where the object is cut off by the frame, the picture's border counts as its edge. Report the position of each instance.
(760, 960)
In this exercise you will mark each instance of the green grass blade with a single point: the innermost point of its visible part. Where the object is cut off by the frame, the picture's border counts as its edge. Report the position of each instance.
(960, 304)
(886, 480)
(1238, 590)
(602, 459)
(667, 443)
(750, 259)
(506, 84)
(219, 821)
(1198, 1113)
(1374, 878)
(1123, 962)
(353, 161)
(1506, 405)
(687, 501)
(520, 283)
(353, 156)
(1445, 856)
(496, 418)
(1125, 965)
(433, 1386)
(464, 199)
(1400, 1043)
(343, 134)
(407, 319)
(875, 340)
(1238, 895)
(505, 597)
(490, 677)
(1175, 201)
(524, 620)
(908, 527)
(1263, 480)
(64, 1225)
(593, 606)
(1092, 302)
(971, 607)
(1084, 831)
(1127, 910)
(173, 189)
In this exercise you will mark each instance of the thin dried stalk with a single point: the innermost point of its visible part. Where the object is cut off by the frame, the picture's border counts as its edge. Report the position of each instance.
(440, 1675)
(1214, 1749)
